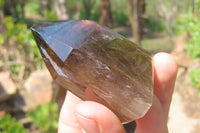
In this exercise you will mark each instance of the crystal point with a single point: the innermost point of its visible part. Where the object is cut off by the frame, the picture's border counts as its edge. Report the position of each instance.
(97, 64)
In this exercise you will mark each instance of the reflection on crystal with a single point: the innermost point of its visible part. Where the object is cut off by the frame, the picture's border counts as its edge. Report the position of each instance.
(97, 64)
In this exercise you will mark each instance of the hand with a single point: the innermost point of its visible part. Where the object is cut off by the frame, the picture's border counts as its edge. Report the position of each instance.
(79, 116)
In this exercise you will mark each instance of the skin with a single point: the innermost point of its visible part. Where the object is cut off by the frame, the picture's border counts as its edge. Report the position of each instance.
(79, 116)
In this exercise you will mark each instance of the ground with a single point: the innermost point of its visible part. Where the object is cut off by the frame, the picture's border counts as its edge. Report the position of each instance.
(184, 116)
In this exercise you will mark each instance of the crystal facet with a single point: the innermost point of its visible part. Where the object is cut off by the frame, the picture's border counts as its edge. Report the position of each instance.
(97, 64)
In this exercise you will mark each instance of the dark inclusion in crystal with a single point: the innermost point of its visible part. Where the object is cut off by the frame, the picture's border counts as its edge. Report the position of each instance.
(96, 63)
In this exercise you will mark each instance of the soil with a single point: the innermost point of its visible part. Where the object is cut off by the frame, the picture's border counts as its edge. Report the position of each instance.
(184, 114)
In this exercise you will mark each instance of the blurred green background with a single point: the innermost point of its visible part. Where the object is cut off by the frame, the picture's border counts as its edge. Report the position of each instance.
(164, 26)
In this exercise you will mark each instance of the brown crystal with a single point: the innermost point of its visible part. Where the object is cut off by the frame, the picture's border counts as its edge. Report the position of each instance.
(97, 64)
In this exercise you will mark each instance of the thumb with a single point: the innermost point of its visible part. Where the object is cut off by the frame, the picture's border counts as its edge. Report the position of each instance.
(96, 118)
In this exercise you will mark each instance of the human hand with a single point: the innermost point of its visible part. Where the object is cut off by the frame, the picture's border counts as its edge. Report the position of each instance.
(79, 116)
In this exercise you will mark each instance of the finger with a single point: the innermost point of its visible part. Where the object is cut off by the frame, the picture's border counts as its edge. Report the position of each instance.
(92, 117)
(96, 118)
(153, 121)
(165, 70)
(67, 120)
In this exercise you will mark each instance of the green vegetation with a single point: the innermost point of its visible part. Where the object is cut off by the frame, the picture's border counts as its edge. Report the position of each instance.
(1, 3)
(120, 12)
(195, 78)
(17, 32)
(22, 37)
(10, 125)
(1, 39)
(189, 23)
(45, 117)
(95, 15)
(32, 7)
(154, 24)
(120, 17)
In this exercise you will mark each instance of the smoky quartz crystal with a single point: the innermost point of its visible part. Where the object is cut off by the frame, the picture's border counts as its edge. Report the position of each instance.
(97, 64)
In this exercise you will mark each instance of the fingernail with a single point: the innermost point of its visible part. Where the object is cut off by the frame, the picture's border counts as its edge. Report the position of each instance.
(88, 125)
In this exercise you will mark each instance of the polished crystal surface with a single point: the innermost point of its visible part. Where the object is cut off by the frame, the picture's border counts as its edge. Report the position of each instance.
(97, 64)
